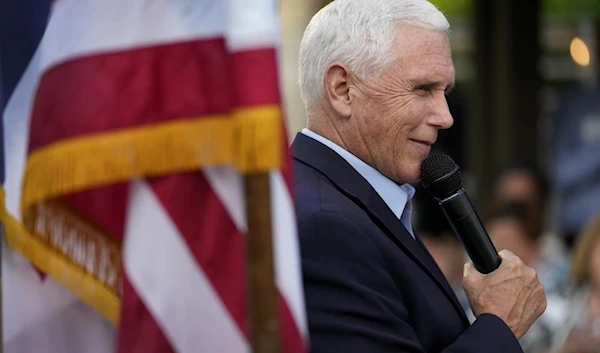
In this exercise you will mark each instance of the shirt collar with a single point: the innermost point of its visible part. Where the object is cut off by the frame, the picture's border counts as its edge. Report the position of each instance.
(395, 196)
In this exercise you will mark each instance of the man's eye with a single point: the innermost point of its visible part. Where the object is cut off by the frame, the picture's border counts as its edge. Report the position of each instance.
(423, 90)
(426, 87)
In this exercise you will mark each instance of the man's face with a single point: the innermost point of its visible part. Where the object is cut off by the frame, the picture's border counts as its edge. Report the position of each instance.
(398, 114)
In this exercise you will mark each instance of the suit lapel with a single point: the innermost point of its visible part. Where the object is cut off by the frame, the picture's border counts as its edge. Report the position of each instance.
(355, 187)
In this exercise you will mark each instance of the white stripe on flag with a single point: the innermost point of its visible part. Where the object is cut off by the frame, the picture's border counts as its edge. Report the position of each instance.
(44, 317)
(227, 184)
(159, 264)
(252, 24)
(22, 293)
(287, 251)
(84, 27)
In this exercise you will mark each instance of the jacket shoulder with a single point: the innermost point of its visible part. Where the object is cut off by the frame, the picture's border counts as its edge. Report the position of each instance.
(316, 194)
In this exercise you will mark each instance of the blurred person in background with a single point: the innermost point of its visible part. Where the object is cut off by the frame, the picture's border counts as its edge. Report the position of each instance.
(509, 229)
(511, 226)
(580, 332)
(526, 185)
(526, 189)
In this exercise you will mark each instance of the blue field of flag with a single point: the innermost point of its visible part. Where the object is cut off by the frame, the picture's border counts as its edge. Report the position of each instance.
(22, 24)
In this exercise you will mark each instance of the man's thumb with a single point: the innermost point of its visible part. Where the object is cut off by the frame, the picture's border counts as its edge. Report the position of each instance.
(506, 254)
(467, 268)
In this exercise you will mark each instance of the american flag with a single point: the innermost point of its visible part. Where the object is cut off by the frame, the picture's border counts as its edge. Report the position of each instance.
(125, 143)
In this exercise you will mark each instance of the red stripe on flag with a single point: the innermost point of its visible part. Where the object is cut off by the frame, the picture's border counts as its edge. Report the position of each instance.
(210, 234)
(105, 207)
(138, 331)
(215, 244)
(292, 340)
(137, 87)
(255, 75)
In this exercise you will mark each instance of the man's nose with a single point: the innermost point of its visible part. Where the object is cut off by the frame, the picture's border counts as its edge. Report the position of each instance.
(442, 119)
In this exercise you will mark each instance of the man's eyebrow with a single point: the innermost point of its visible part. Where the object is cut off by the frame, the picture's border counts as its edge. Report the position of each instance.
(429, 85)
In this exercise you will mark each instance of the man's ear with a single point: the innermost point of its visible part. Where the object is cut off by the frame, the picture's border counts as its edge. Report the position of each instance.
(337, 89)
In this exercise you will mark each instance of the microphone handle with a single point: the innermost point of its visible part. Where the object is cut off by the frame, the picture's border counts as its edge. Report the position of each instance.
(468, 227)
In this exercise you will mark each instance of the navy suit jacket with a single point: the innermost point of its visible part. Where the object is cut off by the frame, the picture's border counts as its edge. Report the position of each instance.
(369, 286)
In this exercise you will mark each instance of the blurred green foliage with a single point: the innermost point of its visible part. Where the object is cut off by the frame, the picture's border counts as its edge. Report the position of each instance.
(571, 9)
(567, 9)
(455, 8)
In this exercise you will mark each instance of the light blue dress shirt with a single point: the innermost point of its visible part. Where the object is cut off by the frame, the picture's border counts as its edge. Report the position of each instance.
(396, 197)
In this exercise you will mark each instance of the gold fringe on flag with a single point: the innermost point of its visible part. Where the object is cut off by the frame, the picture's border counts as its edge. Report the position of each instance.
(81, 256)
(251, 141)
(61, 266)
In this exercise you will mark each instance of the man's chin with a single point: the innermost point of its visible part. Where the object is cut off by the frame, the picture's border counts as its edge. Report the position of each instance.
(409, 173)
(414, 181)
(414, 177)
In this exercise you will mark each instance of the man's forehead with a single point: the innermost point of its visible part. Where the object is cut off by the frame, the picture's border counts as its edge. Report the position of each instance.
(433, 68)
(412, 39)
(416, 48)
(424, 54)
(425, 60)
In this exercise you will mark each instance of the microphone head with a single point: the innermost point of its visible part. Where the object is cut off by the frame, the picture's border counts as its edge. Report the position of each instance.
(440, 175)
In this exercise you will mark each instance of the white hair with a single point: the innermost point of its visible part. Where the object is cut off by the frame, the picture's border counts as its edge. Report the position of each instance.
(360, 34)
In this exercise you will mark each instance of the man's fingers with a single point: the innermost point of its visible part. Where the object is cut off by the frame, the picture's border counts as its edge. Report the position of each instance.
(506, 254)
(468, 269)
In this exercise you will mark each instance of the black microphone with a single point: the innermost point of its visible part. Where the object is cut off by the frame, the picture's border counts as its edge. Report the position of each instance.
(440, 175)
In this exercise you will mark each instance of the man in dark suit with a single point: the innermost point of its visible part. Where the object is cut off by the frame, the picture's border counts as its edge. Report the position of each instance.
(373, 76)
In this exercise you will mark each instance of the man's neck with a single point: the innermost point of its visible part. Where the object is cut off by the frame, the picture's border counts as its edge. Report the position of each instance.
(342, 133)
(321, 123)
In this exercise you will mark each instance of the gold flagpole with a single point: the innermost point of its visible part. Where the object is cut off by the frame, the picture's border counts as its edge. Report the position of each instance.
(262, 293)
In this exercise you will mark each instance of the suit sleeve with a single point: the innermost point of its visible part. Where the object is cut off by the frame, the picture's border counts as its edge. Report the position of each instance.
(353, 304)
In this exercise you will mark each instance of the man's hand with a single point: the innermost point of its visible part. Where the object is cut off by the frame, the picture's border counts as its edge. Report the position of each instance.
(512, 292)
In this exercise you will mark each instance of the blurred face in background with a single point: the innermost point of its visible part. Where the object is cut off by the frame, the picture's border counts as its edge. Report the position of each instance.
(520, 186)
(510, 234)
(594, 266)
(593, 309)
